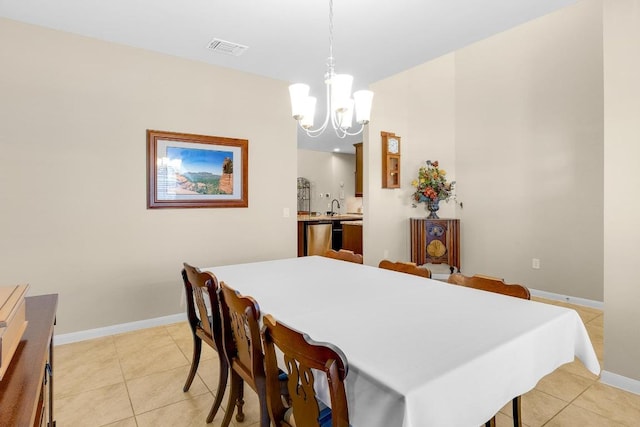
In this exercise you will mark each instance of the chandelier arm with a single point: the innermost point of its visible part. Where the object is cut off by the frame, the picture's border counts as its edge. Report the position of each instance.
(340, 133)
(334, 121)
(358, 132)
(343, 133)
(314, 133)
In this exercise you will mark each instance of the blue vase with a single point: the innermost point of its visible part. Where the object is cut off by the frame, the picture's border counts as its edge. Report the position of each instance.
(433, 206)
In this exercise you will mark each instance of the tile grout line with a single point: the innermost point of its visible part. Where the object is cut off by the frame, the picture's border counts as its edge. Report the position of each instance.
(580, 407)
(126, 385)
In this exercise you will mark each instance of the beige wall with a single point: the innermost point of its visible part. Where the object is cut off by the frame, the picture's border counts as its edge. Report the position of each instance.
(529, 154)
(74, 221)
(516, 120)
(622, 180)
(417, 105)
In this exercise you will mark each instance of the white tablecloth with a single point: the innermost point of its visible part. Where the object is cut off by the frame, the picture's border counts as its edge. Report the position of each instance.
(421, 352)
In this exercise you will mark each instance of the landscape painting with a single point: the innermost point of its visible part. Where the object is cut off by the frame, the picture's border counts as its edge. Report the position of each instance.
(190, 171)
(202, 171)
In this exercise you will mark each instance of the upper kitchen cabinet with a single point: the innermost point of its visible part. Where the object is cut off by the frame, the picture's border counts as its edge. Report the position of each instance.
(358, 169)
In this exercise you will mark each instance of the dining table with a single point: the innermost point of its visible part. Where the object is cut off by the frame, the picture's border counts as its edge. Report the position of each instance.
(421, 352)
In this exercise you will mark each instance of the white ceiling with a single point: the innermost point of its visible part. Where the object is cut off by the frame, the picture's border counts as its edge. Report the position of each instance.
(289, 39)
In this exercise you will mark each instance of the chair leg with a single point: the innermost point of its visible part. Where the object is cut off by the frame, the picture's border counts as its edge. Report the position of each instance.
(261, 386)
(517, 411)
(234, 395)
(195, 361)
(222, 385)
(240, 401)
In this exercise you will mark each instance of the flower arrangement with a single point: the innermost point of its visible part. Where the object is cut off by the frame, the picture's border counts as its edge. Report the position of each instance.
(432, 185)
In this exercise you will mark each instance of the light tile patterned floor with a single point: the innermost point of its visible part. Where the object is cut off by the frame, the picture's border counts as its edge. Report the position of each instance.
(136, 379)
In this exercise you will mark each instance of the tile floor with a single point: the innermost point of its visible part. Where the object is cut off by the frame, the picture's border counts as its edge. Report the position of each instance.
(135, 379)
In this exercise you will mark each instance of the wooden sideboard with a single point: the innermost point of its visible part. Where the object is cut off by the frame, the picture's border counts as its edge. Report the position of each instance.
(435, 241)
(26, 391)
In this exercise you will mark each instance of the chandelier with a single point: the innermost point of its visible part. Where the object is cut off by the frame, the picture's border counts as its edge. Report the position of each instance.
(340, 105)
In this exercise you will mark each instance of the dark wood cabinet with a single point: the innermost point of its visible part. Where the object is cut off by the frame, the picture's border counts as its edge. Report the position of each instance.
(302, 238)
(26, 391)
(435, 241)
(352, 236)
(359, 153)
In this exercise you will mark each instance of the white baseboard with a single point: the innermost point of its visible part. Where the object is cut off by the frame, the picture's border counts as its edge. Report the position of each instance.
(566, 298)
(117, 329)
(618, 381)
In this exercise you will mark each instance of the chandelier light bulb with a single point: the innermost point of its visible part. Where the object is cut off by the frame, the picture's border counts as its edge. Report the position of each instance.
(363, 100)
(346, 116)
(340, 92)
(308, 112)
(298, 93)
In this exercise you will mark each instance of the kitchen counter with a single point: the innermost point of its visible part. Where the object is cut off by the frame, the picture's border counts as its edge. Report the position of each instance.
(337, 217)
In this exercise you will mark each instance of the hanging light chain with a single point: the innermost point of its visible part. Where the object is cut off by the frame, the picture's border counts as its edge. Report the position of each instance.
(330, 61)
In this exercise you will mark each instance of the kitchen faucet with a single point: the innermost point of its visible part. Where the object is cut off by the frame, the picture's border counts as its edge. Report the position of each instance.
(332, 211)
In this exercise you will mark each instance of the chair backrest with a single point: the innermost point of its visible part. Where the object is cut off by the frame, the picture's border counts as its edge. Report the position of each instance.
(318, 238)
(241, 332)
(491, 284)
(405, 267)
(202, 287)
(301, 355)
(344, 255)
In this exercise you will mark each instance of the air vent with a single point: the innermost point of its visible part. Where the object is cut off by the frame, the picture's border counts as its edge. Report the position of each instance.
(228, 48)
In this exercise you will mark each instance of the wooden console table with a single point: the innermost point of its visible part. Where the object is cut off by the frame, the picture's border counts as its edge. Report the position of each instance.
(26, 391)
(435, 241)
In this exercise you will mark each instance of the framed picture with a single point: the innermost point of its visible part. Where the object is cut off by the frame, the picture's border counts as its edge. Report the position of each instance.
(196, 171)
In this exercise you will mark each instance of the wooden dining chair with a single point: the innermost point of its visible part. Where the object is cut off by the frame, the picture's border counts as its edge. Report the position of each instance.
(405, 267)
(496, 285)
(344, 255)
(202, 288)
(243, 350)
(301, 355)
(491, 284)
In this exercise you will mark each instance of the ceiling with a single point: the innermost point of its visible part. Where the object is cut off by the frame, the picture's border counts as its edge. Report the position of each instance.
(289, 39)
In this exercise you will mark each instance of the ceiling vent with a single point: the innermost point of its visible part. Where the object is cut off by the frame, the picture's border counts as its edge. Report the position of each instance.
(228, 48)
